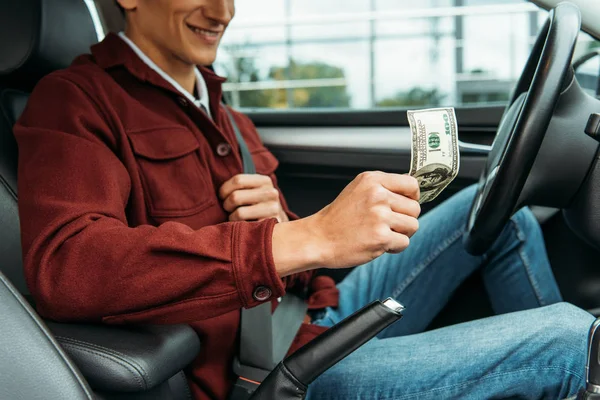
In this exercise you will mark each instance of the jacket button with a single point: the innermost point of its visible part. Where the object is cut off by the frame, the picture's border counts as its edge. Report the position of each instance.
(262, 293)
(182, 101)
(223, 149)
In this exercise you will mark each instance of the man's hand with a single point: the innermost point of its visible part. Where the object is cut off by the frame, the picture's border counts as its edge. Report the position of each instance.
(376, 213)
(251, 198)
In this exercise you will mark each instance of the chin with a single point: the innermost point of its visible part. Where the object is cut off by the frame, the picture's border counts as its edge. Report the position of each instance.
(207, 61)
(206, 58)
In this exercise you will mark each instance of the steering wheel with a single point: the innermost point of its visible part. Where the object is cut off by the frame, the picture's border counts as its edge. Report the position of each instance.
(522, 129)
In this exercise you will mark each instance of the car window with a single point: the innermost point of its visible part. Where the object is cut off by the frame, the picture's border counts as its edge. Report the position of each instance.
(365, 54)
(587, 59)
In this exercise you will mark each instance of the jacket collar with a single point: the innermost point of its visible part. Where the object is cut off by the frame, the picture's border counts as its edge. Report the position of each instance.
(114, 52)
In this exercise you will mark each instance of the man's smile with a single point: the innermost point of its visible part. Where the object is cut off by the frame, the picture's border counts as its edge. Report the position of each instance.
(207, 35)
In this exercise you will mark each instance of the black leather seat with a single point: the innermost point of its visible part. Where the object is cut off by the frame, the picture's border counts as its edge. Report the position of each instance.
(32, 364)
(38, 37)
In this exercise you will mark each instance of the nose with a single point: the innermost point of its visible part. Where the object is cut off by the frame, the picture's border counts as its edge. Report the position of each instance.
(219, 11)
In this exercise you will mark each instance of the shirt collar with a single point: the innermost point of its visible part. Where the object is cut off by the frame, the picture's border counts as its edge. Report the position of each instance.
(201, 88)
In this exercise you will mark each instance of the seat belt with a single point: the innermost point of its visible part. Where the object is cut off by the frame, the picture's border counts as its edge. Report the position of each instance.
(262, 349)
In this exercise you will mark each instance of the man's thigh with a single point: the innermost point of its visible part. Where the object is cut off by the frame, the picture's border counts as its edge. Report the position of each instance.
(534, 354)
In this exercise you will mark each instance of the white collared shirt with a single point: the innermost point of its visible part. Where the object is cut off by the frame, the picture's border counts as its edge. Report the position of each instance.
(200, 82)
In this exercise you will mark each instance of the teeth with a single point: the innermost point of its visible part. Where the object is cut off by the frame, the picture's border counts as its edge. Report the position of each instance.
(204, 32)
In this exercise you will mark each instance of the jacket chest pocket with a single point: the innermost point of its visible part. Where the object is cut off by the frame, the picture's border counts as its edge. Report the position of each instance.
(175, 183)
(266, 163)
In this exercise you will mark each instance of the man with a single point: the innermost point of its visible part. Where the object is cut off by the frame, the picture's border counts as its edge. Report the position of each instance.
(134, 210)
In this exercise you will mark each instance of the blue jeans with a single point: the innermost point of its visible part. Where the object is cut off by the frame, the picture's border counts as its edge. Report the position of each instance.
(534, 349)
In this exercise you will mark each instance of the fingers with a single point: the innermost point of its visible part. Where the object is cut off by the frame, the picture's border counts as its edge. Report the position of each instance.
(256, 212)
(402, 228)
(401, 223)
(404, 205)
(404, 185)
(244, 181)
(393, 241)
(403, 199)
(398, 244)
(250, 197)
(404, 224)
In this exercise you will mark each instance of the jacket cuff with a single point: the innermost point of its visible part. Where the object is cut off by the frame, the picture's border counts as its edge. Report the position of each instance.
(254, 270)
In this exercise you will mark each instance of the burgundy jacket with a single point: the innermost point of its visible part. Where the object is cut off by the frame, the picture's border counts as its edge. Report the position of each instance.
(121, 222)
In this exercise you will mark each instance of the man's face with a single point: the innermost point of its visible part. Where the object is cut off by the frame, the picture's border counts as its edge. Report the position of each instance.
(189, 30)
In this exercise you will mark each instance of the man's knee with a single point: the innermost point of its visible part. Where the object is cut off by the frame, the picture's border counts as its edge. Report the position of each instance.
(565, 326)
(569, 313)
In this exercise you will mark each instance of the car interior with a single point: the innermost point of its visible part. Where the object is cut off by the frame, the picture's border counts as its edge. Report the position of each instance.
(511, 153)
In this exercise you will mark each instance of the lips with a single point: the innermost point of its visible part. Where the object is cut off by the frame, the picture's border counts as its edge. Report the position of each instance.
(205, 32)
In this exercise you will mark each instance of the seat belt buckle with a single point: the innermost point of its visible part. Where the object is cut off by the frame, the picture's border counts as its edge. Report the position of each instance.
(249, 378)
(243, 389)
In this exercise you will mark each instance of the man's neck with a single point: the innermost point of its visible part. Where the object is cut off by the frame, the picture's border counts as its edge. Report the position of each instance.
(183, 73)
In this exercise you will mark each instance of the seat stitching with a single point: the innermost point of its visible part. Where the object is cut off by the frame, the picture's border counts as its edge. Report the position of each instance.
(8, 188)
(127, 366)
(186, 387)
(94, 346)
(117, 355)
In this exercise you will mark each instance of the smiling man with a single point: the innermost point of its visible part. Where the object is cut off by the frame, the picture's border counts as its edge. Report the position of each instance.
(134, 209)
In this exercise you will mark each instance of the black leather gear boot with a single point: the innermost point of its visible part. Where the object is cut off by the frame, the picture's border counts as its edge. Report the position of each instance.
(592, 367)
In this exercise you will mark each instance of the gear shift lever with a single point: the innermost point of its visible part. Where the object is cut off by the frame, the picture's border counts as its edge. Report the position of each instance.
(592, 367)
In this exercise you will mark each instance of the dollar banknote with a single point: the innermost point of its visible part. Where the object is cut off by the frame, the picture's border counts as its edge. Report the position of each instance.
(435, 157)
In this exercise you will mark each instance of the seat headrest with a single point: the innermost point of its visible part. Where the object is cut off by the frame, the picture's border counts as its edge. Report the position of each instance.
(41, 36)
